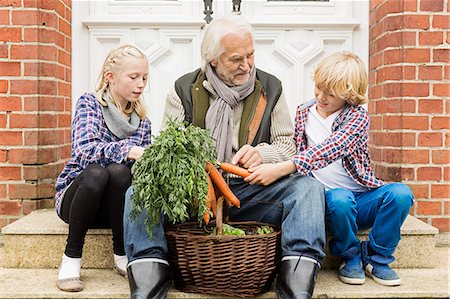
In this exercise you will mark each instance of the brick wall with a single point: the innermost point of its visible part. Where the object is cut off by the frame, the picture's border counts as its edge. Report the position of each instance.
(409, 105)
(35, 107)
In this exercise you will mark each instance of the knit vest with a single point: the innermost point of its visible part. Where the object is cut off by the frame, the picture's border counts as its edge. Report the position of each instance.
(195, 100)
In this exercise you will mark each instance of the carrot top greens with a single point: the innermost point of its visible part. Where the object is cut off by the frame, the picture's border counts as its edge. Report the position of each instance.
(170, 177)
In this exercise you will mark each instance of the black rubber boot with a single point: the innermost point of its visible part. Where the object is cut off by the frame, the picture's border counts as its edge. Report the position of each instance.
(297, 278)
(149, 279)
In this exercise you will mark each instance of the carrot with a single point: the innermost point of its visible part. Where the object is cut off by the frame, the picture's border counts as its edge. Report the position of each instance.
(212, 196)
(231, 168)
(221, 185)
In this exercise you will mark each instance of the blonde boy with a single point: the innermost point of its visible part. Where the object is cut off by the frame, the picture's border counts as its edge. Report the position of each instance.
(332, 139)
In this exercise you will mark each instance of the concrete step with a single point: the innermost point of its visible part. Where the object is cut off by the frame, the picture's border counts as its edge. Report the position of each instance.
(38, 240)
(104, 283)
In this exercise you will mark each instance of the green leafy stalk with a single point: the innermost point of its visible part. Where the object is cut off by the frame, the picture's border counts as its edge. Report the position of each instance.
(170, 177)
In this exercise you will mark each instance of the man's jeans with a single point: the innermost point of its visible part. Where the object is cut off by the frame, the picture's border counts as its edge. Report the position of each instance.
(296, 202)
(384, 209)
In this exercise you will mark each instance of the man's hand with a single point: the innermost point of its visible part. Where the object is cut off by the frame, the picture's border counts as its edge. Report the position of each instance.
(266, 174)
(247, 156)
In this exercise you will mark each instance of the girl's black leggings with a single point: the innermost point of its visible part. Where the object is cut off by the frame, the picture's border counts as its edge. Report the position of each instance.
(96, 200)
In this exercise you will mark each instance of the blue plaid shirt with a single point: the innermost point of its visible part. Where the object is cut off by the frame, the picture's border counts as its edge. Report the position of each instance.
(349, 141)
(93, 142)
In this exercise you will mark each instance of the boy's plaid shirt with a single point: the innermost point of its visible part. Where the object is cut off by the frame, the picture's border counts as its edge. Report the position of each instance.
(349, 141)
(93, 142)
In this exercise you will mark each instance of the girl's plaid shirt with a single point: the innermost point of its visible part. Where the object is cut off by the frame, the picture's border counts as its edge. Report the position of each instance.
(93, 142)
(349, 141)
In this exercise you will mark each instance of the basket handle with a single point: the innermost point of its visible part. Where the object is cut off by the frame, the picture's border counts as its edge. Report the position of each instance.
(219, 217)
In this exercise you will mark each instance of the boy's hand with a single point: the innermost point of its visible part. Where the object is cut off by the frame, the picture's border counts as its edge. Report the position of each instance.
(266, 174)
(247, 156)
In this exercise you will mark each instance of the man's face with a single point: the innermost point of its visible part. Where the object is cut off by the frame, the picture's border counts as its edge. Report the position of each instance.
(235, 63)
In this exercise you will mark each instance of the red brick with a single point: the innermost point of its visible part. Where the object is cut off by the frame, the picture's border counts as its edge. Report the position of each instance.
(3, 86)
(44, 103)
(24, 52)
(64, 89)
(440, 191)
(431, 106)
(441, 89)
(11, 34)
(23, 156)
(24, 121)
(389, 73)
(430, 72)
(31, 137)
(10, 103)
(396, 39)
(443, 224)
(10, 138)
(29, 206)
(447, 139)
(27, 191)
(431, 38)
(46, 155)
(4, 17)
(41, 35)
(40, 172)
(2, 120)
(441, 55)
(64, 58)
(394, 139)
(447, 70)
(64, 121)
(3, 191)
(396, 106)
(429, 174)
(416, 55)
(416, 21)
(64, 27)
(409, 72)
(24, 87)
(395, 122)
(420, 191)
(40, 69)
(9, 68)
(25, 17)
(45, 190)
(430, 139)
(13, 3)
(441, 21)
(432, 5)
(392, 56)
(446, 207)
(10, 173)
(3, 155)
(396, 90)
(3, 51)
(9, 207)
(48, 19)
(47, 120)
(428, 208)
(392, 156)
(415, 156)
(409, 5)
(440, 122)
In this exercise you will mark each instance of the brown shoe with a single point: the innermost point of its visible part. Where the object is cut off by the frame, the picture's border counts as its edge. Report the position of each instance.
(70, 284)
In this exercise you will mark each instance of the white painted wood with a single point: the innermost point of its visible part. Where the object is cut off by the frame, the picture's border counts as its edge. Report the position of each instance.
(290, 38)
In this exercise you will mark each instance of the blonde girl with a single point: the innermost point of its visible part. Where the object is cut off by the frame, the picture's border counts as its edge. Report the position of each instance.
(109, 131)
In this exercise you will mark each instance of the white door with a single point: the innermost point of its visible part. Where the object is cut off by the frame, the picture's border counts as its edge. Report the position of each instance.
(290, 38)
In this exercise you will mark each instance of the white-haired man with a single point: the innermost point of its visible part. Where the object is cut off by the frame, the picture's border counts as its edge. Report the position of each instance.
(248, 116)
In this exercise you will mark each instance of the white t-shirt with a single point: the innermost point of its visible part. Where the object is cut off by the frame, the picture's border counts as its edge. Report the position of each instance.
(317, 129)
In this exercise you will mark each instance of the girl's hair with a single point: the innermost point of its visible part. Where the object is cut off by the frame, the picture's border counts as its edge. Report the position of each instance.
(211, 47)
(115, 62)
(344, 76)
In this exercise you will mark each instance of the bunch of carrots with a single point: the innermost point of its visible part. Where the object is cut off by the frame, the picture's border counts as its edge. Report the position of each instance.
(217, 184)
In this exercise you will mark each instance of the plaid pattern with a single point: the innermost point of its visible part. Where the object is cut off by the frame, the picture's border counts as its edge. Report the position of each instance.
(349, 141)
(93, 142)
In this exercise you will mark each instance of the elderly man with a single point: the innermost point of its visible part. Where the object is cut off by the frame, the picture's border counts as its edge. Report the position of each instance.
(248, 116)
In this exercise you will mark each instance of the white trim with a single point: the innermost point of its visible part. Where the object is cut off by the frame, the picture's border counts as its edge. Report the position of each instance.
(148, 260)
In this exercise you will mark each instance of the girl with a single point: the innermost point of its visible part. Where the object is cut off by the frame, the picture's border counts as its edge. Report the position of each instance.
(332, 138)
(109, 131)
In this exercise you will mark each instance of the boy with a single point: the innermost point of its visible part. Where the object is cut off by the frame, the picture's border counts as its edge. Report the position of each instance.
(332, 138)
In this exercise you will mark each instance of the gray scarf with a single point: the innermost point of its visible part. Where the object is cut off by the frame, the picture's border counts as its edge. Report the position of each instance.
(218, 117)
(120, 125)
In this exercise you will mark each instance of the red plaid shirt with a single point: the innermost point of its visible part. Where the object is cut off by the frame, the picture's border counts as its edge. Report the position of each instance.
(349, 141)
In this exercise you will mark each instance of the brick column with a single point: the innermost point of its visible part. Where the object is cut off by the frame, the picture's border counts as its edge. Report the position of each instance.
(409, 88)
(35, 105)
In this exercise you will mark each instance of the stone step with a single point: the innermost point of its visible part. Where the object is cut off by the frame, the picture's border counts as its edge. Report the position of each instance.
(105, 283)
(38, 240)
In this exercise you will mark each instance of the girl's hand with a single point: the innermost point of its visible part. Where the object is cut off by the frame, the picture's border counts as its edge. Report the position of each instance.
(266, 174)
(135, 153)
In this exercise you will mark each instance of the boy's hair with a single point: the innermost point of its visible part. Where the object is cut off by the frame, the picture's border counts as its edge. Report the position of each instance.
(211, 47)
(344, 76)
(115, 62)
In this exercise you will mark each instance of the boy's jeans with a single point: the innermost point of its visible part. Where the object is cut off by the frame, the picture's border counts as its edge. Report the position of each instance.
(296, 202)
(384, 209)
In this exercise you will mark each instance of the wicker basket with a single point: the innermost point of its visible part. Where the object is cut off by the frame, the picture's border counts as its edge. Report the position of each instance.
(240, 266)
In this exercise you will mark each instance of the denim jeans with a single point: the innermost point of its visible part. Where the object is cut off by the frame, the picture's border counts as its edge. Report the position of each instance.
(296, 203)
(383, 209)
